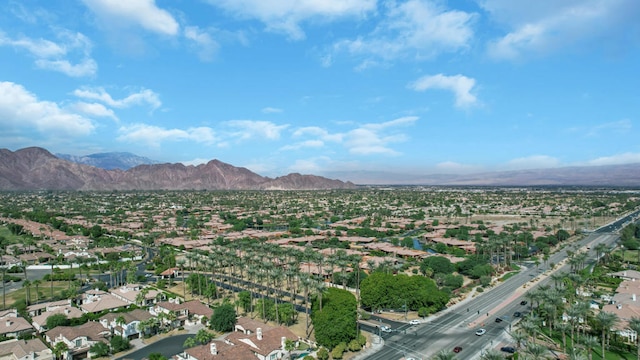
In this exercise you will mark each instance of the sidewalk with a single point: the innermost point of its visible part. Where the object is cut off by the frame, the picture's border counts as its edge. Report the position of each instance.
(374, 348)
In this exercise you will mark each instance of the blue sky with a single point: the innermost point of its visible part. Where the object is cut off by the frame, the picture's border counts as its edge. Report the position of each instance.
(317, 86)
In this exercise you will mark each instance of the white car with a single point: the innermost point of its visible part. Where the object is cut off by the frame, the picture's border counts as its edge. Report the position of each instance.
(481, 332)
(385, 328)
(414, 322)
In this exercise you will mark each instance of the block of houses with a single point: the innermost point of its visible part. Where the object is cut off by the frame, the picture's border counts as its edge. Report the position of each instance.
(129, 328)
(32, 349)
(78, 338)
(12, 325)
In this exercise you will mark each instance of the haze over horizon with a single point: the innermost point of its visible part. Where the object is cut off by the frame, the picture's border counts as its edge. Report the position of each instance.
(411, 87)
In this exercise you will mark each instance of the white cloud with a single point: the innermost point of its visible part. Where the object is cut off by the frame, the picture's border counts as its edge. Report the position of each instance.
(285, 16)
(55, 56)
(94, 109)
(415, 29)
(367, 139)
(155, 135)
(143, 13)
(625, 158)
(271, 110)
(533, 162)
(303, 145)
(85, 68)
(252, 129)
(21, 109)
(617, 127)
(460, 85)
(542, 26)
(203, 43)
(100, 94)
(309, 166)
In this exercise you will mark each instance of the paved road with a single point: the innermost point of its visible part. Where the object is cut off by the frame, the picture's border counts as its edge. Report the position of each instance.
(457, 325)
(168, 347)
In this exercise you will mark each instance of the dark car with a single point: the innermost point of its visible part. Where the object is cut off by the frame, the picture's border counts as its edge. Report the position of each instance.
(523, 302)
(508, 349)
(457, 349)
(517, 314)
(498, 320)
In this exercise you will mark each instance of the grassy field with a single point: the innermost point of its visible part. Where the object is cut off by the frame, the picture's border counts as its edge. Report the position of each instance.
(44, 293)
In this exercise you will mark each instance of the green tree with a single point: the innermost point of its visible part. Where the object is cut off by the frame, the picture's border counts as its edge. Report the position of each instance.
(57, 320)
(119, 344)
(99, 349)
(59, 349)
(223, 318)
(336, 322)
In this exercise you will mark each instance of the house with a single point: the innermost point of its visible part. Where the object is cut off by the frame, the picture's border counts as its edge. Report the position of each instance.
(182, 313)
(136, 294)
(95, 301)
(267, 344)
(11, 325)
(78, 338)
(170, 273)
(32, 349)
(129, 328)
(39, 322)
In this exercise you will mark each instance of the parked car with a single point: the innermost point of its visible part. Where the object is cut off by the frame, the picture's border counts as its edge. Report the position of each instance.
(508, 349)
(414, 322)
(481, 332)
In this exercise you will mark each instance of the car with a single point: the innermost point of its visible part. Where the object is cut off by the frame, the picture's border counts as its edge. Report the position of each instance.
(498, 320)
(414, 322)
(481, 332)
(523, 302)
(457, 349)
(148, 275)
(508, 349)
(517, 314)
(385, 328)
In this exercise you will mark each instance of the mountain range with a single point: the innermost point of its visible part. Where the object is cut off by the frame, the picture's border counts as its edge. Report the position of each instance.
(36, 168)
(110, 160)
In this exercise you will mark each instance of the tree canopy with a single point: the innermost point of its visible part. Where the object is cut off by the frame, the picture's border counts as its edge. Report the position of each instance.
(336, 322)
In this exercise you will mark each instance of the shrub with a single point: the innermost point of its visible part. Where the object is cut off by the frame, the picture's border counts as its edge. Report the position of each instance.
(338, 351)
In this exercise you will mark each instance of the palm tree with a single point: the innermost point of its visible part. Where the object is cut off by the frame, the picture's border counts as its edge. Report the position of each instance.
(519, 337)
(180, 264)
(444, 355)
(37, 283)
(606, 320)
(27, 285)
(121, 321)
(530, 327)
(634, 324)
(535, 351)
(589, 342)
(492, 354)
(563, 327)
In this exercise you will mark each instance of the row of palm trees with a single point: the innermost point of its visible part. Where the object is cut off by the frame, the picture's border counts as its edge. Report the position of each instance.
(270, 271)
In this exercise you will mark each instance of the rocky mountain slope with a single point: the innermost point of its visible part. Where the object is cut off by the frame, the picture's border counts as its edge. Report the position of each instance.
(37, 169)
(110, 160)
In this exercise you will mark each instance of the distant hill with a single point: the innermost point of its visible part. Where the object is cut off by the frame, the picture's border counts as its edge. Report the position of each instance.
(110, 160)
(606, 175)
(35, 168)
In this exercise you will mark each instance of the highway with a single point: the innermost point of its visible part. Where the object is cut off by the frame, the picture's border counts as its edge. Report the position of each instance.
(456, 326)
